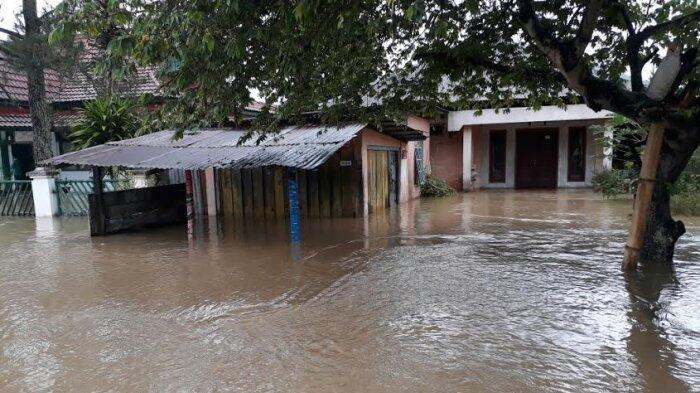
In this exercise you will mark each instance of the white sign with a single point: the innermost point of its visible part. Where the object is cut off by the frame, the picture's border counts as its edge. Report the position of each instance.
(345, 163)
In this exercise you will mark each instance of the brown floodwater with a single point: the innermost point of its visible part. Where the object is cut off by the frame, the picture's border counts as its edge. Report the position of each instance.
(488, 291)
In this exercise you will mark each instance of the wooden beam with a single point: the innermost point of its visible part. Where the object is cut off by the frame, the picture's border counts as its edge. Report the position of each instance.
(645, 190)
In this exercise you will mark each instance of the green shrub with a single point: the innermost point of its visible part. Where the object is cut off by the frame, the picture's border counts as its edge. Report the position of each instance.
(686, 204)
(435, 187)
(685, 192)
(614, 182)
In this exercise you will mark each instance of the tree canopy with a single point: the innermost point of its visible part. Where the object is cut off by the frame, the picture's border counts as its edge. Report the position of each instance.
(410, 55)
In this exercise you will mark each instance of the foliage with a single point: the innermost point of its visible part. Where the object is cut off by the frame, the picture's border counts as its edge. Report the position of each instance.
(628, 138)
(685, 191)
(686, 204)
(614, 182)
(104, 120)
(25, 50)
(435, 187)
(410, 56)
(689, 181)
(102, 26)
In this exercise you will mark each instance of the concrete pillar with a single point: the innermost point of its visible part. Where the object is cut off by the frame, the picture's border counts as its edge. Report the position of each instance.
(467, 158)
(44, 191)
(139, 177)
(563, 164)
(607, 149)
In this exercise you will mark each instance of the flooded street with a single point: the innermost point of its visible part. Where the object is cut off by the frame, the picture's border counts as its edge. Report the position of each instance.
(488, 291)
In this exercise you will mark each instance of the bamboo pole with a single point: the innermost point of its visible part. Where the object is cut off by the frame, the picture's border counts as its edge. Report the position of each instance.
(645, 190)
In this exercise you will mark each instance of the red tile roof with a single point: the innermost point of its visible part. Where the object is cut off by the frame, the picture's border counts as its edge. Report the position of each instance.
(77, 87)
(22, 119)
(13, 83)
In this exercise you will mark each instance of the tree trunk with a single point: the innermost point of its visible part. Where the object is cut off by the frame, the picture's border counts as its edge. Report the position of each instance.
(662, 230)
(40, 110)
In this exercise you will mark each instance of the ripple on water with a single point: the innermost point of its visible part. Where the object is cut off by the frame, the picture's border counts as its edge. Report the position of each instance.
(480, 292)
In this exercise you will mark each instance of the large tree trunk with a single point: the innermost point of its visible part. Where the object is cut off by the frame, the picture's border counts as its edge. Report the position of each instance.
(662, 230)
(36, 86)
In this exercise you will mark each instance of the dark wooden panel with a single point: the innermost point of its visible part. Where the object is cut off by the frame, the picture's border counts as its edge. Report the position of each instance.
(269, 185)
(247, 191)
(280, 193)
(237, 192)
(225, 186)
(336, 186)
(312, 187)
(303, 194)
(346, 179)
(324, 190)
(258, 193)
(138, 208)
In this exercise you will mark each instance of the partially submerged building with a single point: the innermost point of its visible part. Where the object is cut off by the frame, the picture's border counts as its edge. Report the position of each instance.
(346, 171)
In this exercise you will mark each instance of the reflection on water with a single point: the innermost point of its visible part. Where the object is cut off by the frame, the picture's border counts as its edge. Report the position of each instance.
(489, 291)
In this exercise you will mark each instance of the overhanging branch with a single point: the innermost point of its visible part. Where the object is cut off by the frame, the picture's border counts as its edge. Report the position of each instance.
(588, 23)
(598, 93)
(11, 33)
(680, 21)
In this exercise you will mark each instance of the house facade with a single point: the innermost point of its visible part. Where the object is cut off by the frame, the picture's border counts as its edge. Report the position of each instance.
(65, 94)
(521, 148)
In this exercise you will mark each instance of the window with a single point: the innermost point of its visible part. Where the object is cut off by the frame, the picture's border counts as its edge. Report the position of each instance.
(418, 169)
(577, 154)
(497, 156)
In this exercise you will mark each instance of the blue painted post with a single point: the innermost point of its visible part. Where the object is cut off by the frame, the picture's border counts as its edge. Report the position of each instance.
(294, 215)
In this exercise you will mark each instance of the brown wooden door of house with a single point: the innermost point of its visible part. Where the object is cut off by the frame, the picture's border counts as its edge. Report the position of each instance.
(536, 158)
(382, 179)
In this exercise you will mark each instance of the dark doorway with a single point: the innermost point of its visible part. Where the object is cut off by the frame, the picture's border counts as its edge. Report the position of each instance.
(536, 158)
(22, 152)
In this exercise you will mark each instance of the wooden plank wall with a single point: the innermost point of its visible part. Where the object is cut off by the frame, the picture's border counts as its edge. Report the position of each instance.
(331, 190)
(137, 208)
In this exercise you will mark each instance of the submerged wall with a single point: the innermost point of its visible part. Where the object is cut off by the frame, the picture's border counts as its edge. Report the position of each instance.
(137, 208)
(446, 158)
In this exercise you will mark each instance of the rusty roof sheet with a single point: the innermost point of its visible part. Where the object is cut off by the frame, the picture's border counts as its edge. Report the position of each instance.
(303, 147)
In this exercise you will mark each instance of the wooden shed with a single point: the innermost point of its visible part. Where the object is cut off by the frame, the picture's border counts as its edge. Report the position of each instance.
(310, 171)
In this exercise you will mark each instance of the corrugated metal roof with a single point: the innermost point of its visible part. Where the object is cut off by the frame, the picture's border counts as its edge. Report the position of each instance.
(304, 147)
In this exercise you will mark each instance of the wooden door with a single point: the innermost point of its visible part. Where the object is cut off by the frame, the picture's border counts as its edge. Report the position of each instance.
(536, 158)
(382, 179)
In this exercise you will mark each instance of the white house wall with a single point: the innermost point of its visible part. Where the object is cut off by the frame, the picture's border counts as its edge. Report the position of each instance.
(523, 115)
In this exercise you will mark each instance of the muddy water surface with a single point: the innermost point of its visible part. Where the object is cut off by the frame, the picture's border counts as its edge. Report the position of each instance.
(490, 291)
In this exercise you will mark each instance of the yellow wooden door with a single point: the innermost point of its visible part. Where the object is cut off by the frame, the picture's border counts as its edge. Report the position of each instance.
(378, 179)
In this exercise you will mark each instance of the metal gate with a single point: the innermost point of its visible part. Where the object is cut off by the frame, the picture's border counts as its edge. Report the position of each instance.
(16, 198)
(73, 194)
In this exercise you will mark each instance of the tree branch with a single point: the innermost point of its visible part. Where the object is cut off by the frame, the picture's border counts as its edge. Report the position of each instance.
(588, 24)
(688, 63)
(11, 33)
(683, 20)
(597, 93)
(627, 19)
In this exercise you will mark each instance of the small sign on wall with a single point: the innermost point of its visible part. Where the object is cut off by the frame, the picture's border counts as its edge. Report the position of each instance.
(345, 163)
